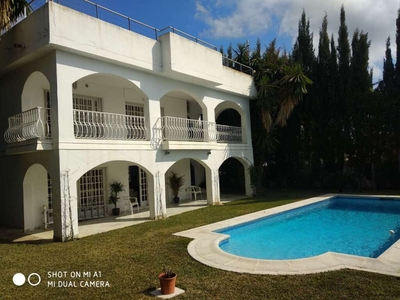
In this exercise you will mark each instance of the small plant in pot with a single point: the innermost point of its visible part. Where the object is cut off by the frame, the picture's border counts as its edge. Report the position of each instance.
(176, 182)
(167, 281)
(116, 187)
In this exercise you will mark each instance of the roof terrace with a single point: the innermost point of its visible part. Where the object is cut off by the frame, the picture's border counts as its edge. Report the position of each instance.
(105, 14)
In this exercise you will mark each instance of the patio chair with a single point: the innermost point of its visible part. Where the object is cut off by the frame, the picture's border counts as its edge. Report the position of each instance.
(194, 190)
(130, 203)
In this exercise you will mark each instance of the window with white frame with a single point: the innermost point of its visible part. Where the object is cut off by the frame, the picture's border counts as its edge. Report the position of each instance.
(135, 120)
(89, 103)
(92, 194)
(87, 119)
(49, 200)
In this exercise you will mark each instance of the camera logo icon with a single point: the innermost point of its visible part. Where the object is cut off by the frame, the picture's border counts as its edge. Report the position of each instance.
(19, 279)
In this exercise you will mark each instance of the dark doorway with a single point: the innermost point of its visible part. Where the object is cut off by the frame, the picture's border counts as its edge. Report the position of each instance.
(229, 117)
(232, 177)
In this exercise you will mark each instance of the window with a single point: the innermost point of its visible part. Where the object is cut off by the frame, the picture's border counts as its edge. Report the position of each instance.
(135, 121)
(92, 194)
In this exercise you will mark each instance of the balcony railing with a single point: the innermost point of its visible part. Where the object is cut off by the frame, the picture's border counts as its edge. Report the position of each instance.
(229, 134)
(181, 129)
(108, 126)
(30, 124)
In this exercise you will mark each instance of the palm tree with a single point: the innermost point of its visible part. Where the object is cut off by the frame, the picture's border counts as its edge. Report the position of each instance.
(280, 84)
(242, 55)
(10, 10)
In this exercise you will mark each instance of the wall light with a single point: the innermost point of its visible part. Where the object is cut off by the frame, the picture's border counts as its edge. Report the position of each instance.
(19, 45)
(166, 152)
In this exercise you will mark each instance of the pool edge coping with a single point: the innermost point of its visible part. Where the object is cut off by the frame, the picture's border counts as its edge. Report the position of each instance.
(205, 248)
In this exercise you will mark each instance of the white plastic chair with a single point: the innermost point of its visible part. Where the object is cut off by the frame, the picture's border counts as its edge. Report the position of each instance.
(130, 203)
(194, 190)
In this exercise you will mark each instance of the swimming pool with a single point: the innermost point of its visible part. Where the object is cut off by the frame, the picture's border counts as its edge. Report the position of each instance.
(205, 247)
(356, 226)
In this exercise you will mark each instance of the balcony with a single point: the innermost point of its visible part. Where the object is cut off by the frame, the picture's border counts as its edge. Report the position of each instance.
(28, 125)
(180, 133)
(108, 126)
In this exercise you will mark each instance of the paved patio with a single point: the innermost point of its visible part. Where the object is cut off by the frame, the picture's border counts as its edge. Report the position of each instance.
(109, 223)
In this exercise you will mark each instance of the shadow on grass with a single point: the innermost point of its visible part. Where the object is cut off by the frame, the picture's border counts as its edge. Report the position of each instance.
(30, 242)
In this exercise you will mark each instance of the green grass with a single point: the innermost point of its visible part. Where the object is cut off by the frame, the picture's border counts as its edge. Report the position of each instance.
(131, 258)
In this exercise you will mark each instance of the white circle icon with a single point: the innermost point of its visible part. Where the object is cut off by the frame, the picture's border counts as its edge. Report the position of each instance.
(34, 283)
(19, 279)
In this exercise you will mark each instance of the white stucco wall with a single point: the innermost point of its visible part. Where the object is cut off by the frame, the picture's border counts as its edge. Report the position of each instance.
(118, 66)
(117, 171)
(35, 196)
(33, 93)
(182, 168)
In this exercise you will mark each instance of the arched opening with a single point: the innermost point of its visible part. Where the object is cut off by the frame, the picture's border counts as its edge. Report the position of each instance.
(182, 117)
(106, 106)
(37, 197)
(232, 177)
(94, 190)
(229, 117)
(36, 92)
(194, 186)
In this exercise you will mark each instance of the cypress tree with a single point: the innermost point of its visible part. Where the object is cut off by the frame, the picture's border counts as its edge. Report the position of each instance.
(322, 133)
(344, 101)
(397, 75)
(303, 49)
(387, 84)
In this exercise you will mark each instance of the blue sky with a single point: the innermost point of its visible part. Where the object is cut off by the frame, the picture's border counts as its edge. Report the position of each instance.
(221, 22)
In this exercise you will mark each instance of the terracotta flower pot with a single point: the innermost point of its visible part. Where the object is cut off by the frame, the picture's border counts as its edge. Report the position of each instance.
(167, 283)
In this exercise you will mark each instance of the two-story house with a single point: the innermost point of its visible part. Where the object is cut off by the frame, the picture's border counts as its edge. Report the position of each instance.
(85, 102)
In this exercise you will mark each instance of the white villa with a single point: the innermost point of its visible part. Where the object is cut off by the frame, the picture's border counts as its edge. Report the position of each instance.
(85, 102)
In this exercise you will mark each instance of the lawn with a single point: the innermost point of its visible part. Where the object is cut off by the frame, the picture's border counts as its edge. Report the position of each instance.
(129, 260)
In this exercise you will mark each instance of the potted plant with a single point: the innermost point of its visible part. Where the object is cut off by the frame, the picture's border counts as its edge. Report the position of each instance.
(167, 281)
(115, 188)
(176, 182)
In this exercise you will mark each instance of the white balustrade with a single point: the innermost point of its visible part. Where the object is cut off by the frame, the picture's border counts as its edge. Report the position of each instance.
(108, 126)
(30, 124)
(229, 134)
(181, 129)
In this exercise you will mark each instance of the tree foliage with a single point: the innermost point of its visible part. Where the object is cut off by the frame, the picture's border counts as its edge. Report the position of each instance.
(10, 11)
(340, 134)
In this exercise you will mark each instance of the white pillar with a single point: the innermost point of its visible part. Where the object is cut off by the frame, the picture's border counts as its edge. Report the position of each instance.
(65, 220)
(64, 187)
(212, 183)
(157, 205)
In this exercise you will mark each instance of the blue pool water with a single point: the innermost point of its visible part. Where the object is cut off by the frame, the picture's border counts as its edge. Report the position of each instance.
(355, 226)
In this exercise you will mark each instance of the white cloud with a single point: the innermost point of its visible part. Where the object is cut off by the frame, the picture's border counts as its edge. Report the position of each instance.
(255, 17)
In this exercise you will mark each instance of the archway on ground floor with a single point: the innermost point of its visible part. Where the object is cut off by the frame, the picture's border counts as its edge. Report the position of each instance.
(193, 173)
(94, 190)
(233, 176)
(38, 200)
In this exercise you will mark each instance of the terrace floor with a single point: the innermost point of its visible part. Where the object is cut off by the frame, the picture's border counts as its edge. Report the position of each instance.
(100, 225)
